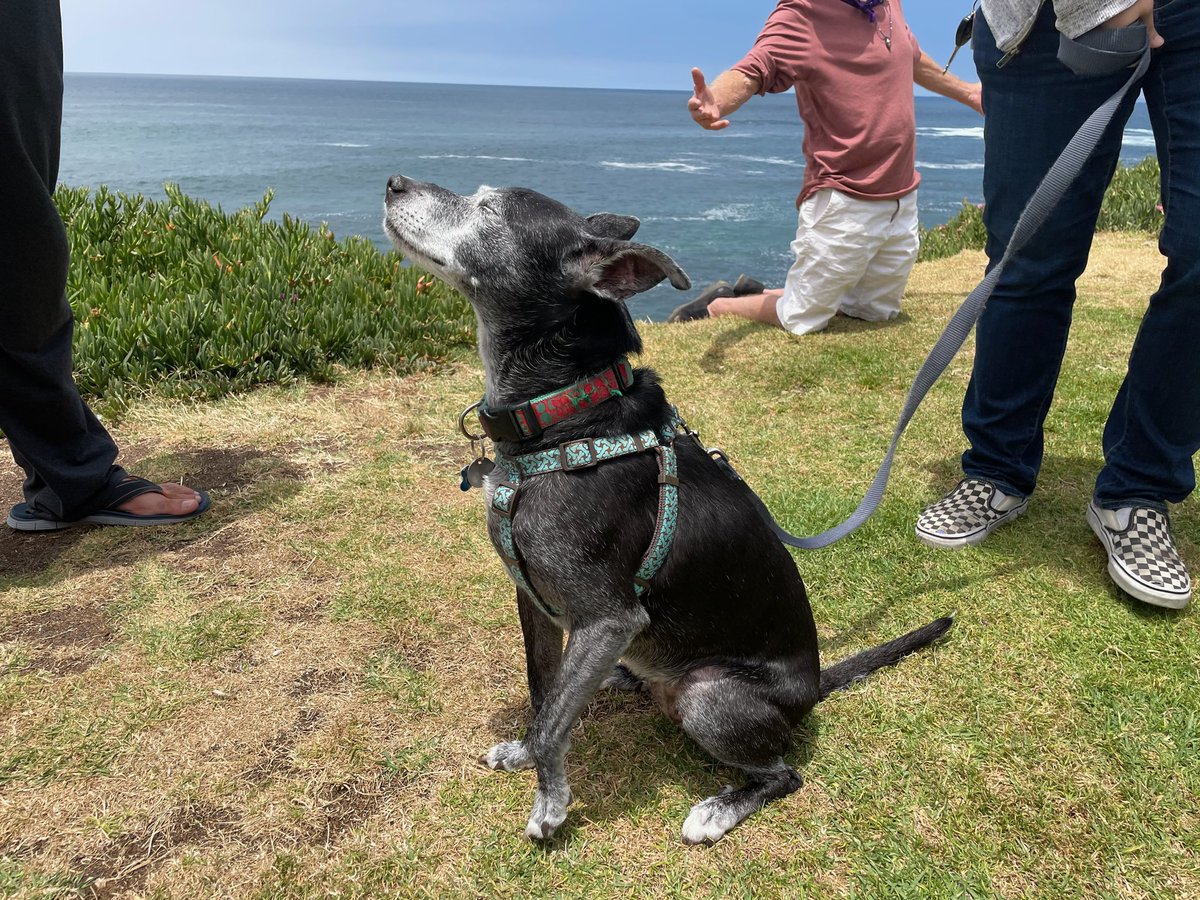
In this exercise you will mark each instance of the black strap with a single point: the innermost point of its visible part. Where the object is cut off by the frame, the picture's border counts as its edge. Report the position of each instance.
(126, 490)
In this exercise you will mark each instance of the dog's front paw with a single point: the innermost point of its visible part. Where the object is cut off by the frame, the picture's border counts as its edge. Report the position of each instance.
(549, 812)
(511, 756)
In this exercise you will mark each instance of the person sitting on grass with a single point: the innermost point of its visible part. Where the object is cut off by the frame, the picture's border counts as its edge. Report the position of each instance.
(67, 455)
(853, 65)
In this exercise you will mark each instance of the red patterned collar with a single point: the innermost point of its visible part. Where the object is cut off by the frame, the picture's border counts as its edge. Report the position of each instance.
(528, 420)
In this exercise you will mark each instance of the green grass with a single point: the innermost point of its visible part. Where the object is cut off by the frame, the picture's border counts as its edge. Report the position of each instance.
(179, 297)
(294, 690)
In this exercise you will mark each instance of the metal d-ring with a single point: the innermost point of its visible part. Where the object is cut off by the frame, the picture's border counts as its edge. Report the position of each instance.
(462, 423)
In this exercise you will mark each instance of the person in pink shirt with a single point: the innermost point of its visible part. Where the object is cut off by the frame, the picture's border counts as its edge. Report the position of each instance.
(852, 64)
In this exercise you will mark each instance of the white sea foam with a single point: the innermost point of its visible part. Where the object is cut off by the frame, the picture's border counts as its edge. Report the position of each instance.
(666, 166)
(730, 212)
(1138, 137)
(954, 165)
(973, 132)
(478, 156)
(343, 144)
(770, 160)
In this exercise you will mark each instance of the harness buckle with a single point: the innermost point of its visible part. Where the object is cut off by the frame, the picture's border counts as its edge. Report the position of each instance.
(571, 458)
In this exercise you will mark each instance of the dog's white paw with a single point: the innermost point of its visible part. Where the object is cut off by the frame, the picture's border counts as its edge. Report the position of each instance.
(548, 814)
(709, 821)
(511, 756)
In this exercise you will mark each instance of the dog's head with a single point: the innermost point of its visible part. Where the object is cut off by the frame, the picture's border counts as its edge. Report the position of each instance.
(516, 253)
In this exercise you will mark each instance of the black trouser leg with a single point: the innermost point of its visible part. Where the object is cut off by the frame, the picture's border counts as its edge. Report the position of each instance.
(65, 451)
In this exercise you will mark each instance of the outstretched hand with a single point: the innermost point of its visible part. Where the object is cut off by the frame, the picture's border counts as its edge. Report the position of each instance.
(703, 105)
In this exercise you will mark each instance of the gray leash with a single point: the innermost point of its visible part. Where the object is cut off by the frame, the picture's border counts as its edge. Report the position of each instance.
(1099, 52)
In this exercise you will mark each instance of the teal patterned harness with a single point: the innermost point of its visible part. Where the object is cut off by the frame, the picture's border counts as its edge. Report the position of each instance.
(572, 456)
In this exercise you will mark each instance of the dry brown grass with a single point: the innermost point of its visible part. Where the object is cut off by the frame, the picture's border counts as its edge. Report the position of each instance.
(288, 697)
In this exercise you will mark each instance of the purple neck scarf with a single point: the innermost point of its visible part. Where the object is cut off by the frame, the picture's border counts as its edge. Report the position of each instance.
(867, 6)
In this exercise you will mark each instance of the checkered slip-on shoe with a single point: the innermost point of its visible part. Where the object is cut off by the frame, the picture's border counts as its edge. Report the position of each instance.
(967, 515)
(1142, 559)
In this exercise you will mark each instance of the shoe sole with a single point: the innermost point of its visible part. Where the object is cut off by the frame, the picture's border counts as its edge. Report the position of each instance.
(1125, 581)
(697, 308)
(940, 542)
(32, 525)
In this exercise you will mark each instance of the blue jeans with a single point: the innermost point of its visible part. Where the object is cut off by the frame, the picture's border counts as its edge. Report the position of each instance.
(1034, 105)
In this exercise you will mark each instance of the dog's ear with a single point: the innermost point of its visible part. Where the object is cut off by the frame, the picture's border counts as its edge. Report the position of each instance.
(610, 225)
(623, 269)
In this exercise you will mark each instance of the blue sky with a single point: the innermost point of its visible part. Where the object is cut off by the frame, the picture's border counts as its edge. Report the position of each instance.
(616, 43)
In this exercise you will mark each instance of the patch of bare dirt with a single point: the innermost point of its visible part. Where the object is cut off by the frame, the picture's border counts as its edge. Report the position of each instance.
(230, 469)
(25, 553)
(125, 864)
(312, 681)
(64, 640)
(275, 756)
(346, 806)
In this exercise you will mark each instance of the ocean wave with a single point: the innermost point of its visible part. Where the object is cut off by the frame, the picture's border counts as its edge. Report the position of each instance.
(972, 132)
(770, 160)
(343, 144)
(476, 156)
(955, 165)
(667, 166)
(1138, 137)
(730, 212)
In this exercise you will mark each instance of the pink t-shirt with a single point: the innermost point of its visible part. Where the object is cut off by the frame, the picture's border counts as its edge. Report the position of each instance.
(855, 96)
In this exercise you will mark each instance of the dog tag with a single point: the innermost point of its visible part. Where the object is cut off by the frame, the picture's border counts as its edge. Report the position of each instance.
(473, 475)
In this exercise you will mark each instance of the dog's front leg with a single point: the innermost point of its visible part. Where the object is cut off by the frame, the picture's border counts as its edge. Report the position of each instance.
(543, 649)
(592, 651)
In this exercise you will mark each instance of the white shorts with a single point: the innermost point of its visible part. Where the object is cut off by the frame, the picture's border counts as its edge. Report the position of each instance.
(852, 256)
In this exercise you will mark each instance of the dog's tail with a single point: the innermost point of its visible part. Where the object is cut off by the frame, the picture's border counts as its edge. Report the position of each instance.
(848, 671)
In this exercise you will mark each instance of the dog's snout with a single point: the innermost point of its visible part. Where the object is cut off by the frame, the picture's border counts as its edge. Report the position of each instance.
(397, 184)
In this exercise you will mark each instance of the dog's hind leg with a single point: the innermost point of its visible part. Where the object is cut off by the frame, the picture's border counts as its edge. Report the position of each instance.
(742, 726)
(623, 679)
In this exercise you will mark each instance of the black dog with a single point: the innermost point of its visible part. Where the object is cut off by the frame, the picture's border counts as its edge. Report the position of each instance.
(722, 634)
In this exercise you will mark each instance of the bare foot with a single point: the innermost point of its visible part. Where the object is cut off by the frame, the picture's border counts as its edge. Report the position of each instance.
(178, 501)
(757, 307)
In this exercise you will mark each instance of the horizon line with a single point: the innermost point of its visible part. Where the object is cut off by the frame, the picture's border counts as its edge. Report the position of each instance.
(918, 92)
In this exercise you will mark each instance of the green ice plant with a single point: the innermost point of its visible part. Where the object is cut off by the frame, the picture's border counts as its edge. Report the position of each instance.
(1131, 204)
(178, 297)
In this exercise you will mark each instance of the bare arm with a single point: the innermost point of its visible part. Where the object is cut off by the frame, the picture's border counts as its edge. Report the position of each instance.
(928, 74)
(711, 103)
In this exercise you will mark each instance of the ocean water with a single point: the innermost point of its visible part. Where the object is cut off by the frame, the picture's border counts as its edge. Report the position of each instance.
(720, 203)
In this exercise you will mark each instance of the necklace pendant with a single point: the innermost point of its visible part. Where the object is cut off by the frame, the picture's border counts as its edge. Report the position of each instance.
(887, 42)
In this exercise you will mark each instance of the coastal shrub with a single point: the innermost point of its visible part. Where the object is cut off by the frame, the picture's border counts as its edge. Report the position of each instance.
(1131, 204)
(179, 297)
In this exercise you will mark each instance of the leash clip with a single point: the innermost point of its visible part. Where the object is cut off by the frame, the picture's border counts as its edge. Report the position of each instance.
(717, 455)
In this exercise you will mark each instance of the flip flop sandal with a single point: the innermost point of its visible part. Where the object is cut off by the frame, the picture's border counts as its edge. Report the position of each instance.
(22, 518)
(698, 308)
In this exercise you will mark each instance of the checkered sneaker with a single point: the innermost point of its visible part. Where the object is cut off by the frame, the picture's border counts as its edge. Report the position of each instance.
(1142, 558)
(967, 514)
